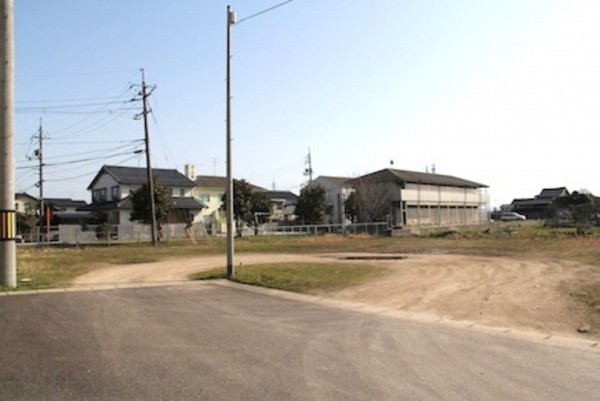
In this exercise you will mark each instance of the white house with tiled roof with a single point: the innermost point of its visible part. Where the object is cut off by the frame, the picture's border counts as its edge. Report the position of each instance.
(112, 185)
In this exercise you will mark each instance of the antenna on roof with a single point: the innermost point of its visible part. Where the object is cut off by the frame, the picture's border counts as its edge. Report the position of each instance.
(433, 168)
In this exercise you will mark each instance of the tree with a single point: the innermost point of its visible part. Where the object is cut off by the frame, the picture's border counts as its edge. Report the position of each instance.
(27, 222)
(247, 202)
(312, 204)
(351, 207)
(369, 202)
(140, 203)
(580, 208)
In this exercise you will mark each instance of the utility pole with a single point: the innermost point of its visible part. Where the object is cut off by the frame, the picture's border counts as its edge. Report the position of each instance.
(40, 155)
(229, 190)
(8, 252)
(145, 112)
(308, 170)
(230, 21)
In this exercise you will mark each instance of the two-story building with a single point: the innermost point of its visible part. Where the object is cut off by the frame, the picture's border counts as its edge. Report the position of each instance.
(426, 200)
(210, 190)
(337, 190)
(112, 185)
(283, 206)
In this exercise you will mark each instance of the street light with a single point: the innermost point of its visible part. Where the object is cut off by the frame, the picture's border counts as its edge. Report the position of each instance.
(232, 20)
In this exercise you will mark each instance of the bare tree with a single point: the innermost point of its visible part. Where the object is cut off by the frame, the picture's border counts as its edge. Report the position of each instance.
(370, 202)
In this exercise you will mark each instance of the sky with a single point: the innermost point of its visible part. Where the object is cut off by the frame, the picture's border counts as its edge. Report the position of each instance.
(504, 93)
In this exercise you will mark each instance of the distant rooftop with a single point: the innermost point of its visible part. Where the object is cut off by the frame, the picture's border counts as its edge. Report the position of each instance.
(138, 176)
(415, 177)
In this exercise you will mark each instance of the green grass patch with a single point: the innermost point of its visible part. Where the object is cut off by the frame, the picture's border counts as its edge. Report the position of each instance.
(308, 278)
(51, 267)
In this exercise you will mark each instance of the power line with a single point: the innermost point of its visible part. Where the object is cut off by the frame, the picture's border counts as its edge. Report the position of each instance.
(46, 111)
(67, 106)
(81, 99)
(262, 12)
(166, 151)
(115, 98)
(103, 150)
(75, 161)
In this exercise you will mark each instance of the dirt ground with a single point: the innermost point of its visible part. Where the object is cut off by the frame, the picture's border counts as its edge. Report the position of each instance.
(497, 291)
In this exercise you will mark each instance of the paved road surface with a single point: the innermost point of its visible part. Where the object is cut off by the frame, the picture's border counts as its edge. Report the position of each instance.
(204, 341)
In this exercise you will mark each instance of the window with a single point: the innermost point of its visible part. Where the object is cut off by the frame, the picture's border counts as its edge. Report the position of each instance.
(99, 195)
(181, 191)
(205, 197)
(115, 192)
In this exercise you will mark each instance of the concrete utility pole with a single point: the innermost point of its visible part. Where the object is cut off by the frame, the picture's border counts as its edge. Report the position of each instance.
(231, 20)
(40, 155)
(229, 189)
(309, 170)
(8, 252)
(145, 112)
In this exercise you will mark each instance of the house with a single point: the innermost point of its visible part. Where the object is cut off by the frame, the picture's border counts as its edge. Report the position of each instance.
(66, 211)
(417, 200)
(112, 185)
(535, 208)
(25, 203)
(210, 190)
(283, 205)
(337, 190)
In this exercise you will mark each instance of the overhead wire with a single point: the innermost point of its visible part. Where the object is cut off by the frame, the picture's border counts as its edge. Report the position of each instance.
(92, 114)
(166, 151)
(112, 149)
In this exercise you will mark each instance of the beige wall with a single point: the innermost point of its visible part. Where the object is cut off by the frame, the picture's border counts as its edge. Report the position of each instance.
(433, 194)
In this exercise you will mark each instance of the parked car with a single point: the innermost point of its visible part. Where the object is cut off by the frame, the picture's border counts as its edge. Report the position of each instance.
(512, 216)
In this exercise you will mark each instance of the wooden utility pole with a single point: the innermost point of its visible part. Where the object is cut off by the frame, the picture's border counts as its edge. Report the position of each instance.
(8, 252)
(145, 112)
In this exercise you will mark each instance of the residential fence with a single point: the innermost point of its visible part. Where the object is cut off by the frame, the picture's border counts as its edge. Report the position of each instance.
(376, 228)
(90, 234)
(106, 234)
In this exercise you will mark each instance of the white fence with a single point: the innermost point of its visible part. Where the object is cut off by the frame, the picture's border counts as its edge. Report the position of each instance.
(381, 228)
(77, 234)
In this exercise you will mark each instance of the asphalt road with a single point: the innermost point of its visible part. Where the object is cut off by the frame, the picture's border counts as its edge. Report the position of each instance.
(205, 341)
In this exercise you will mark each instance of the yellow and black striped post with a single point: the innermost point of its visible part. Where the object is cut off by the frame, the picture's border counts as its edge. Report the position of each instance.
(8, 225)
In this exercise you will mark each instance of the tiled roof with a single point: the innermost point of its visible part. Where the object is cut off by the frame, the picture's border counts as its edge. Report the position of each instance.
(415, 177)
(552, 192)
(138, 176)
(210, 181)
(531, 202)
(287, 195)
(64, 202)
(187, 203)
(338, 181)
(213, 181)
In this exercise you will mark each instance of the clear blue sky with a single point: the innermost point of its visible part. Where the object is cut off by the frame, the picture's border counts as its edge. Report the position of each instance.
(506, 93)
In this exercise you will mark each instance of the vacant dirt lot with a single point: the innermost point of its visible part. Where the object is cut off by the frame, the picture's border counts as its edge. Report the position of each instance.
(498, 291)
